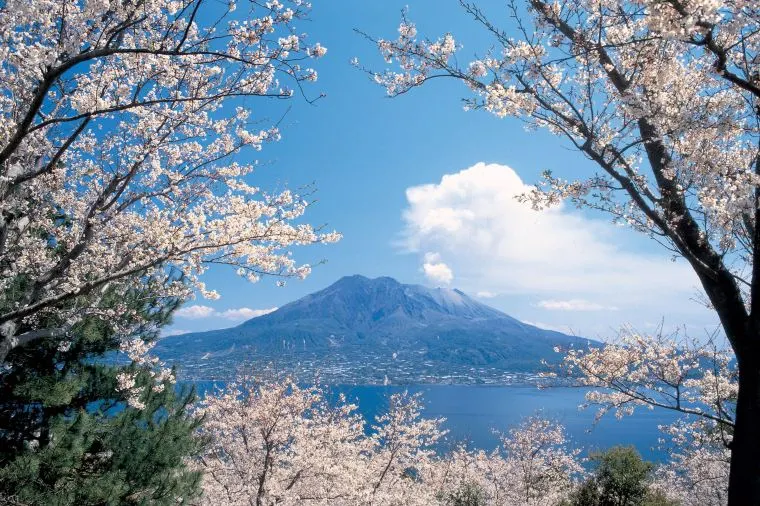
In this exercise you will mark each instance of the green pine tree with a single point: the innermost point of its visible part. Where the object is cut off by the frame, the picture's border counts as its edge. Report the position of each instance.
(68, 437)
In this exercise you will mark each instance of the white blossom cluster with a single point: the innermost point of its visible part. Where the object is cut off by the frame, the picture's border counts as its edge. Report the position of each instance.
(138, 352)
(121, 152)
(697, 470)
(280, 443)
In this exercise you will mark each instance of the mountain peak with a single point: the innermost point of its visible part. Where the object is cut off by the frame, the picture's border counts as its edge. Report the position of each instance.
(357, 323)
(361, 279)
(360, 301)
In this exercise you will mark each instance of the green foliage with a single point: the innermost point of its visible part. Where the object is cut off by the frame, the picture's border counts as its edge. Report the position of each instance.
(467, 494)
(67, 436)
(657, 498)
(130, 457)
(622, 475)
(587, 494)
(620, 478)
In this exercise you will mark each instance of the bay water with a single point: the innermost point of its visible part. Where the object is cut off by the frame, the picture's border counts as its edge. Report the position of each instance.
(476, 413)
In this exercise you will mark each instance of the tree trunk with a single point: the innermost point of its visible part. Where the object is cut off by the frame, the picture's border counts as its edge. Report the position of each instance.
(744, 480)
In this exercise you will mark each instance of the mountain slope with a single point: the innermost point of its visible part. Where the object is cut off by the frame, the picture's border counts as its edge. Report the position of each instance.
(361, 330)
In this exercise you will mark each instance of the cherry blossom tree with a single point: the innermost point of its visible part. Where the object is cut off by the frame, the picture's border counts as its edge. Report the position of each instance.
(399, 468)
(533, 465)
(694, 378)
(122, 141)
(275, 442)
(662, 95)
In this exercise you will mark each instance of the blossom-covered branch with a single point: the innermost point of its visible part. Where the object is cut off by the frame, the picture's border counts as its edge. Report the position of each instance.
(662, 95)
(674, 139)
(657, 371)
(695, 378)
(124, 126)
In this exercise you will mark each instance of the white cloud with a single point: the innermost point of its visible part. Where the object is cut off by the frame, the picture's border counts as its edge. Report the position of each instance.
(200, 312)
(173, 332)
(498, 245)
(485, 294)
(574, 305)
(245, 313)
(565, 329)
(195, 312)
(435, 270)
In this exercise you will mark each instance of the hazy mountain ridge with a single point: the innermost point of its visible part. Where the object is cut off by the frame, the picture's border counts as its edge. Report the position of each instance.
(361, 330)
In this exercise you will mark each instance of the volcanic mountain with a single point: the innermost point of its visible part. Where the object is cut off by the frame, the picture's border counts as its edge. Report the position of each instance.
(361, 330)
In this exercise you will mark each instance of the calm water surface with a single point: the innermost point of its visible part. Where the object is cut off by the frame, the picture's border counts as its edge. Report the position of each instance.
(473, 412)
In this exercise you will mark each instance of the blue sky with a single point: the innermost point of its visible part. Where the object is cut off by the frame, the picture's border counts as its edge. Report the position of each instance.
(369, 155)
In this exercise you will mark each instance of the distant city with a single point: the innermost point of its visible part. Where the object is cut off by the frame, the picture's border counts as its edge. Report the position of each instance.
(342, 369)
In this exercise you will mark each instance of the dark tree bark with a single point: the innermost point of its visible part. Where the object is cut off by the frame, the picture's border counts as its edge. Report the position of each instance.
(744, 478)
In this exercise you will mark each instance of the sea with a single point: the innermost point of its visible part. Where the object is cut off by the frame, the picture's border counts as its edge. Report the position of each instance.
(476, 414)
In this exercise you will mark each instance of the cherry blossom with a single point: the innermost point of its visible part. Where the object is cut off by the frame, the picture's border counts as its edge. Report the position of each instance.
(694, 378)
(125, 134)
(533, 466)
(663, 97)
(697, 470)
(275, 442)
